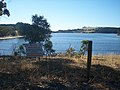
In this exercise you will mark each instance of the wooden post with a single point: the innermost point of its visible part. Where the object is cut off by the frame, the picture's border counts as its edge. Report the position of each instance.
(89, 59)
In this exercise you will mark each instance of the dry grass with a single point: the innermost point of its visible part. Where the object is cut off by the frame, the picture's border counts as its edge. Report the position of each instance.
(25, 65)
(112, 61)
(60, 73)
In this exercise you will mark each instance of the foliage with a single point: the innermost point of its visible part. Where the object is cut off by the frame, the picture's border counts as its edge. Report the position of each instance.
(84, 47)
(42, 27)
(38, 32)
(3, 10)
(77, 55)
(19, 51)
(41, 22)
(27, 31)
(70, 52)
(22, 28)
(48, 47)
(7, 31)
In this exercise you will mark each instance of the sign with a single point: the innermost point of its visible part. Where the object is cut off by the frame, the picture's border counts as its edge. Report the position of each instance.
(34, 50)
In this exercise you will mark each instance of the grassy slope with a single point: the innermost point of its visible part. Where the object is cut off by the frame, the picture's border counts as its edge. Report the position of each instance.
(60, 73)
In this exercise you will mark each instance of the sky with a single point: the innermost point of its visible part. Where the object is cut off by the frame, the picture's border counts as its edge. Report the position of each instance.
(65, 14)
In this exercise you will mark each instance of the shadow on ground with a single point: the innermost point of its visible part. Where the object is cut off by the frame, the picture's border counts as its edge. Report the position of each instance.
(59, 74)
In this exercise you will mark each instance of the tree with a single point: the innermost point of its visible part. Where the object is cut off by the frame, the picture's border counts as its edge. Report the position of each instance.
(38, 32)
(3, 10)
(42, 27)
(41, 32)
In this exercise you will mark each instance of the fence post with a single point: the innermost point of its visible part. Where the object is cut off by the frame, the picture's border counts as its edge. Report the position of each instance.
(89, 59)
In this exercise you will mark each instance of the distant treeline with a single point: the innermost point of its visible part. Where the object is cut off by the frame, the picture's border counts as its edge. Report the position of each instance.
(21, 28)
(7, 30)
(14, 29)
(92, 30)
(107, 30)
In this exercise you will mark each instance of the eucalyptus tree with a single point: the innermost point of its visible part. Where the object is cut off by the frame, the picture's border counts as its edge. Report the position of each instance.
(41, 32)
(38, 32)
(42, 27)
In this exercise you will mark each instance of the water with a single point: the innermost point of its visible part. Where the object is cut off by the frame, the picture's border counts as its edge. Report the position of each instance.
(102, 43)
(7, 46)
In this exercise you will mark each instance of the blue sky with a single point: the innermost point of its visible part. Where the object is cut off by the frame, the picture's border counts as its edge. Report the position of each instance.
(65, 14)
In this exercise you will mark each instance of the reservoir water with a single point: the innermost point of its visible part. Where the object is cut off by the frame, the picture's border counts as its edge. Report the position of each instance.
(102, 43)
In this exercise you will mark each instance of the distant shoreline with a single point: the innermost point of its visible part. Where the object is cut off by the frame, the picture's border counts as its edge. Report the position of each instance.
(91, 30)
(10, 37)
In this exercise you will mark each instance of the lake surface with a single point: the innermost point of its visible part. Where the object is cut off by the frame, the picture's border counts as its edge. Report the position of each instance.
(102, 43)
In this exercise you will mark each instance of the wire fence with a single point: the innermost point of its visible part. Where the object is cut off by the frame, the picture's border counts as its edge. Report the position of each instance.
(61, 47)
(8, 48)
(98, 48)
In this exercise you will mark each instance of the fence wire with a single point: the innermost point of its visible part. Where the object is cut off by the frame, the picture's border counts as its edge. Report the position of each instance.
(61, 47)
(98, 48)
